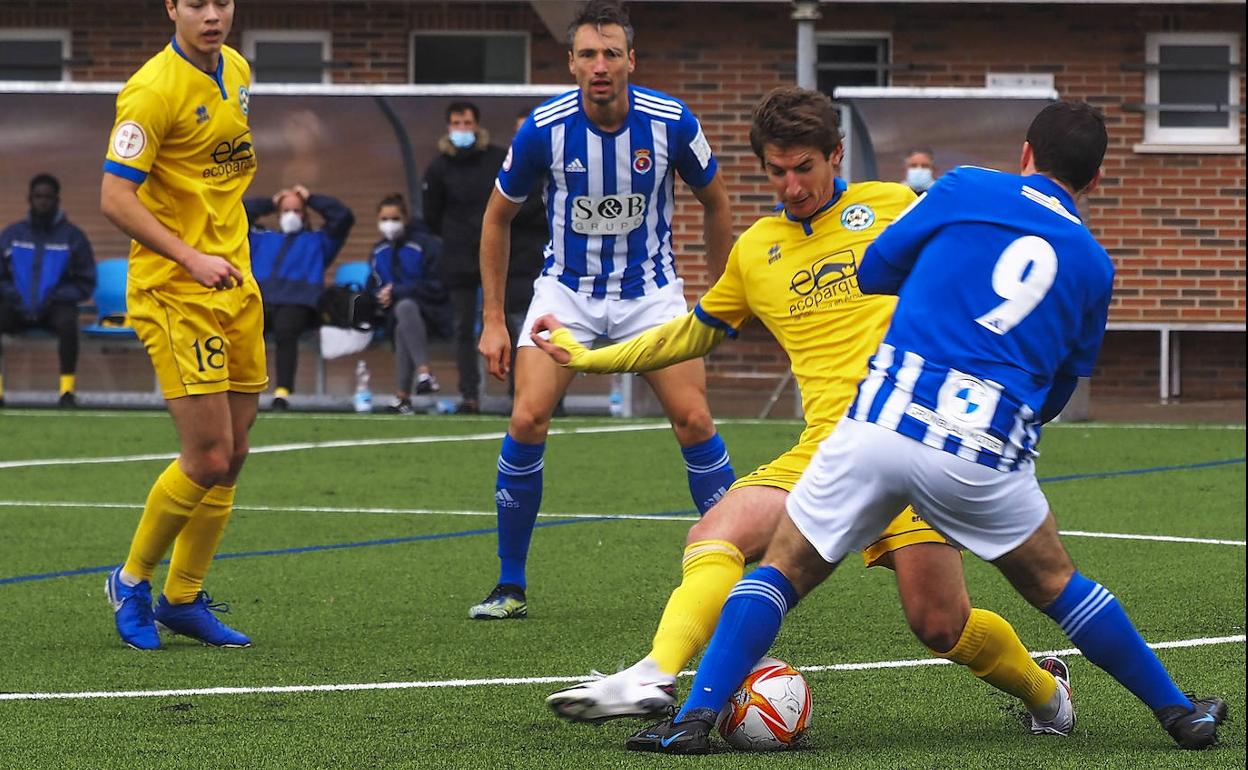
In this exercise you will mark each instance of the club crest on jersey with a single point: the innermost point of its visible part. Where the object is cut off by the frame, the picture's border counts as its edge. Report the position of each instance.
(129, 140)
(642, 162)
(244, 99)
(857, 217)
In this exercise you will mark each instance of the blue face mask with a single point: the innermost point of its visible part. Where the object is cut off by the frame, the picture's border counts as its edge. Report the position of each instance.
(918, 179)
(463, 139)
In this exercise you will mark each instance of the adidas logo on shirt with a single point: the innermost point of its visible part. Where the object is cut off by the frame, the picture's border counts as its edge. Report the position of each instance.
(575, 166)
(503, 498)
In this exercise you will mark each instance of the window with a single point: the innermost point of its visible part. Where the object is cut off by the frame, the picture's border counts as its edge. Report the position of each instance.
(856, 59)
(34, 54)
(288, 56)
(470, 57)
(1191, 89)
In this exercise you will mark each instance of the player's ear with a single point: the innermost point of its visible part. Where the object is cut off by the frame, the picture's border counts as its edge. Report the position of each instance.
(171, 7)
(1027, 160)
(571, 63)
(1091, 186)
(632, 60)
(837, 155)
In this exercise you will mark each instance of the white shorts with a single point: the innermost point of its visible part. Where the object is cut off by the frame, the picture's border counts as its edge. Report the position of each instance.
(592, 318)
(863, 475)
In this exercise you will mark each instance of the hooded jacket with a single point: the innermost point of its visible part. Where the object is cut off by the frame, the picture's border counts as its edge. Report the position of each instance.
(457, 186)
(410, 266)
(291, 268)
(40, 265)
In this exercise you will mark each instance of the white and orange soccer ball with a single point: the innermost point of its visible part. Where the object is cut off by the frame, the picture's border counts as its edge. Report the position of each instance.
(771, 710)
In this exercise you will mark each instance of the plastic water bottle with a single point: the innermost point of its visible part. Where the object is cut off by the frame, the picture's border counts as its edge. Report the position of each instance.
(363, 396)
(615, 402)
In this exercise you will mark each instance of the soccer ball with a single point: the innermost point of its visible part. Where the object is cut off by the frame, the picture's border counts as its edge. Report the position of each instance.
(771, 710)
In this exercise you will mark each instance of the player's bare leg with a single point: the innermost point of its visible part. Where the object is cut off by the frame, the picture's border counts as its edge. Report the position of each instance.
(540, 383)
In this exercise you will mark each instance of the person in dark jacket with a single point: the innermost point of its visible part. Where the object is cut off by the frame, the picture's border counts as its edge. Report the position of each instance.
(289, 264)
(405, 278)
(457, 186)
(46, 269)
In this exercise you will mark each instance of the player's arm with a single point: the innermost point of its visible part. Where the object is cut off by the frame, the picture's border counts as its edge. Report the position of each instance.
(680, 339)
(716, 224)
(889, 259)
(338, 220)
(495, 342)
(120, 204)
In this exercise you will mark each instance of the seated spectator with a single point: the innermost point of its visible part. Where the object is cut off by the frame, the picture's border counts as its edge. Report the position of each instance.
(289, 264)
(405, 279)
(46, 269)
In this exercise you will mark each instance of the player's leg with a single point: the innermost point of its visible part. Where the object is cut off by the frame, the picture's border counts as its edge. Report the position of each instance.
(184, 607)
(62, 319)
(464, 301)
(681, 389)
(1041, 570)
(932, 589)
(540, 383)
(738, 527)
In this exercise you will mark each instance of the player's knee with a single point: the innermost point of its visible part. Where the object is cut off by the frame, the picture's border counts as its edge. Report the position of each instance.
(939, 631)
(693, 425)
(209, 465)
(528, 425)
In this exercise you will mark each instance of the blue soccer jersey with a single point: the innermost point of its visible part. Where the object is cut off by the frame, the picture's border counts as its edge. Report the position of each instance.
(1004, 289)
(609, 195)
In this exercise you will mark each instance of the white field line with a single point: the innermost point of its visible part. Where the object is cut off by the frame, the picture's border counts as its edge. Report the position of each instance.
(461, 683)
(340, 444)
(491, 514)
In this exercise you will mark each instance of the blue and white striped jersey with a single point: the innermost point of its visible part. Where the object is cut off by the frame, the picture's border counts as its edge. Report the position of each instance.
(609, 196)
(1004, 290)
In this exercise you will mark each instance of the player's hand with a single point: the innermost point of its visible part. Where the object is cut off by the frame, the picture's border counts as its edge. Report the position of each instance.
(302, 192)
(277, 197)
(212, 272)
(495, 347)
(385, 294)
(548, 323)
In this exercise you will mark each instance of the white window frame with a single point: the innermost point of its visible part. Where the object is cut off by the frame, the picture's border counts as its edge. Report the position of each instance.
(1154, 133)
(528, 46)
(45, 33)
(832, 36)
(326, 38)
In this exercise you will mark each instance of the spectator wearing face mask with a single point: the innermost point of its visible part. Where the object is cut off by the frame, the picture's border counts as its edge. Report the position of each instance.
(405, 279)
(289, 264)
(457, 186)
(920, 170)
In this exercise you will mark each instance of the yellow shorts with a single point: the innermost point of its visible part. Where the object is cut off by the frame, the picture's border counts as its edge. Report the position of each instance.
(207, 341)
(783, 472)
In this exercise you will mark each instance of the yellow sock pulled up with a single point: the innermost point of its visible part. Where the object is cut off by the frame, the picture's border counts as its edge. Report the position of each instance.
(170, 503)
(710, 569)
(991, 649)
(196, 545)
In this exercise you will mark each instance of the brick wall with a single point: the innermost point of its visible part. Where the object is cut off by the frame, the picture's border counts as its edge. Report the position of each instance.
(1173, 223)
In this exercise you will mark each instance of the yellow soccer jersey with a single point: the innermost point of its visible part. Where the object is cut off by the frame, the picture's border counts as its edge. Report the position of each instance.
(181, 133)
(800, 279)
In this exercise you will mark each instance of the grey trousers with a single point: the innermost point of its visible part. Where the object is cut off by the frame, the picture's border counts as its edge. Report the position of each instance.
(411, 344)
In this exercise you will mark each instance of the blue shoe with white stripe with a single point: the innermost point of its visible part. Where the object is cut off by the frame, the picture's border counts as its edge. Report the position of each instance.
(132, 610)
(198, 620)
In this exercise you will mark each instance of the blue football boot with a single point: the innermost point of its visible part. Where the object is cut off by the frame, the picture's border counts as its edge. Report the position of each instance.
(197, 619)
(132, 609)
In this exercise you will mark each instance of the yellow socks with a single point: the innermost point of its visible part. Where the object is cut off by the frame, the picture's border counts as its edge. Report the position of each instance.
(993, 652)
(67, 383)
(170, 504)
(197, 544)
(711, 568)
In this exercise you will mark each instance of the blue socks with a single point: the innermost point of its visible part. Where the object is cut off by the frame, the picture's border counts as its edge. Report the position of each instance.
(1094, 620)
(747, 627)
(709, 470)
(517, 496)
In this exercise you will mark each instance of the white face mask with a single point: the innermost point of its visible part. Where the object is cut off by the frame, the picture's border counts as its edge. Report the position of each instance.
(391, 229)
(290, 222)
(918, 179)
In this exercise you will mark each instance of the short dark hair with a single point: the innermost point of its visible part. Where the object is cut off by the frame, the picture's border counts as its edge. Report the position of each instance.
(599, 13)
(394, 199)
(920, 150)
(1068, 141)
(454, 107)
(47, 179)
(796, 117)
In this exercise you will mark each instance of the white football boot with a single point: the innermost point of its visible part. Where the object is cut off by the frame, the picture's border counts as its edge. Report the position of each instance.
(640, 691)
(1063, 723)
